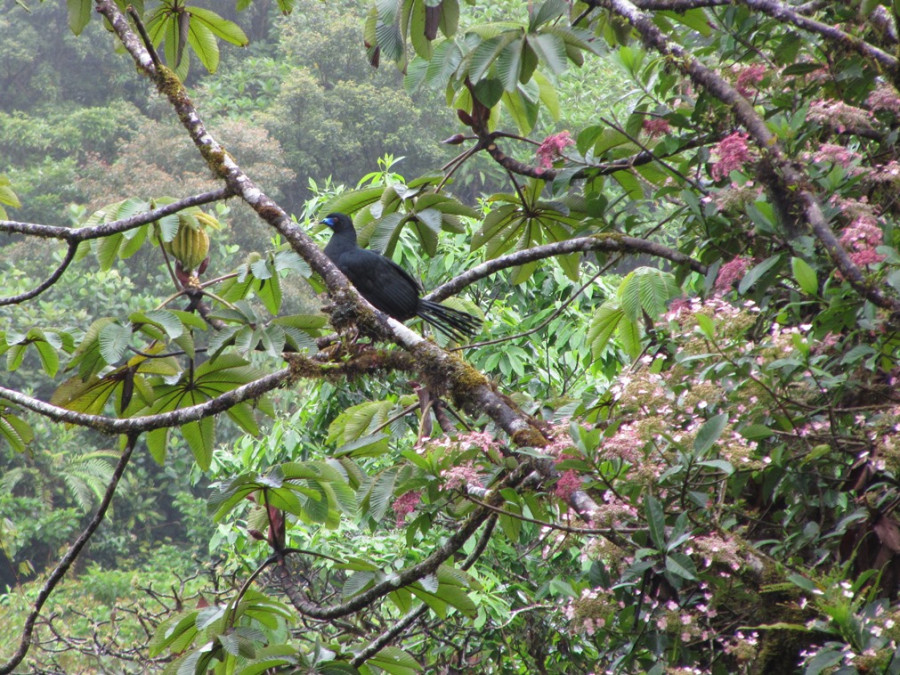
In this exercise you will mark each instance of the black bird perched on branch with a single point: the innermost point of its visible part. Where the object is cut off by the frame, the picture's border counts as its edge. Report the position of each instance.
(388, 286)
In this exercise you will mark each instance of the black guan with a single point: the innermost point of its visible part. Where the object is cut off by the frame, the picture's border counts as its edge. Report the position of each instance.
(388, 286)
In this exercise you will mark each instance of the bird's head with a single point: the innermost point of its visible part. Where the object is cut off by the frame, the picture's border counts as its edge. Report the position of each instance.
(339, 222)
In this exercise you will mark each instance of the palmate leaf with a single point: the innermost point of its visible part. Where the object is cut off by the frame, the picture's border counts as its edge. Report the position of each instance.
(210, 379)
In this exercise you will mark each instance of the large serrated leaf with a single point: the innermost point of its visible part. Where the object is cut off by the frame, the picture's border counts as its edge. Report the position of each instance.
(551, 49)
(603, 325)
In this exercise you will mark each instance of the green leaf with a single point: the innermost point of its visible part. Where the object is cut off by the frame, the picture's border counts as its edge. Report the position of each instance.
(394, 660)
(709, 433)
(547, 12)
(200, 436)
(656, 521)
(14, 430)
(706, 325)
(646, 290)
(805, 276)
(522, 109)
(630, 337)
(758, 271)
(509, 64)
(79, 14)
(756, 432)
(223, 28)
(551, 49)
(205, 46)
(681, 566)
(603, 325)
(114, 340)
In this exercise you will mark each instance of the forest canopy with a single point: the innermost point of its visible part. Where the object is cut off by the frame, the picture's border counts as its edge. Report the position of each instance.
(673, 446)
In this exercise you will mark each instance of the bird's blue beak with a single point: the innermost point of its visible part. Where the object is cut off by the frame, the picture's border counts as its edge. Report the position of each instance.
(329, 221)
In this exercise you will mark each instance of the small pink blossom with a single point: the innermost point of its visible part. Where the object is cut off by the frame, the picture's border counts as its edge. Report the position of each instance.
(731, 272)
(551, 148)
(656, 126)
(406, 504)
(749, 78)
(733, 153)
(568, 483)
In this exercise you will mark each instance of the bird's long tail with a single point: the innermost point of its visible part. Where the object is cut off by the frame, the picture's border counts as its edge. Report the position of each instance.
(451, 322)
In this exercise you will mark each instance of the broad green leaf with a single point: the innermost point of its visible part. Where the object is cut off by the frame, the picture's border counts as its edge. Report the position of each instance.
(754, 275)
(223, 28)
(630, 337)
(394, 660)
(114, 340)
(546, 12)
(656, 521)
(200, 436)
(421, 44)
(509, 64)
(603, 325)
(805, 276)
(14, 430)
(551, 49)
(709, 433)
(681, 566)
(205, 46)
(79, 14)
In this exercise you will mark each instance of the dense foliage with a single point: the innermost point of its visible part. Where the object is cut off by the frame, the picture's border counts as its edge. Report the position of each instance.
(674, 448)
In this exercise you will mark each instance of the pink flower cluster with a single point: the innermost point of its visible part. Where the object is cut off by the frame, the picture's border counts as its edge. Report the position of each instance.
(749, 78)
(884, 97)
(566, 484)
(733, 153)
(861, 238)
(838, 115)
(551, 148)
(730, 273)
(837, 154)
(656, 126)
(457, 476)
(625, 444)
(406, 504)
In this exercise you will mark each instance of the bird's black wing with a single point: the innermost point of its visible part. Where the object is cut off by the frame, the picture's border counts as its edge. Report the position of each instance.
(381, 281)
